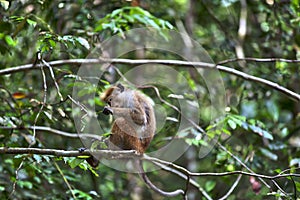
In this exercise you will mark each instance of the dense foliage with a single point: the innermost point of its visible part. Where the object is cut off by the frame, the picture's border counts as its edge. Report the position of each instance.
(260, 127)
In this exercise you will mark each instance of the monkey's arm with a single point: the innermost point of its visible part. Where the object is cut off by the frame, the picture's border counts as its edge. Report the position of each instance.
(137, 115)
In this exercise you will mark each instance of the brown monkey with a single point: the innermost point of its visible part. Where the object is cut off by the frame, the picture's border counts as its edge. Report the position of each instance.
(133, 128)
(134, 125)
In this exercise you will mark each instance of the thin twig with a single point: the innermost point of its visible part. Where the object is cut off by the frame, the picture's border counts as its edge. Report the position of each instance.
(243, 164)
(65, 179)
(258, 60)
(78, 104)
(236, 182)
(55, 131)
(234, 185)
(54, 80)
(184, 176)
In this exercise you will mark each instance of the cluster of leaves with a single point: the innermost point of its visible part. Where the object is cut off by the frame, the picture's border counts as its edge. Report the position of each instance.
(122, 19)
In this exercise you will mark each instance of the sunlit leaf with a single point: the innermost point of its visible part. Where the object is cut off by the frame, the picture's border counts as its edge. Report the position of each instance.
(261, 132)
(4, 4)
(232, 124)
(31, 22)
(295, 161)
(83, 42)
(10, 41)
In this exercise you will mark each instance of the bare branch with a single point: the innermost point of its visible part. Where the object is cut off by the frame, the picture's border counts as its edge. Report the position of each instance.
(55, 131)
(166, 62)
(108, 154)
(184, 176)
(236, 182)
(185, 171)
(53, 78)
(258, 60)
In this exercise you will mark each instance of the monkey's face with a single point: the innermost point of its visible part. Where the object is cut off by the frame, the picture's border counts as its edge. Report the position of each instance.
(122, 99)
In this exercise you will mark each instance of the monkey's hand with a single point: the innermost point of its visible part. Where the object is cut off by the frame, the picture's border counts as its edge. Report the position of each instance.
(107, 110)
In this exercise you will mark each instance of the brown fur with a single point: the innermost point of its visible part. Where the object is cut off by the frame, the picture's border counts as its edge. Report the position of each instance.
(134, 125)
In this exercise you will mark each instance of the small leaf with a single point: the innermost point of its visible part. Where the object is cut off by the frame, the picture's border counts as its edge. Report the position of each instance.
(172, 119)
(38, 158)
(31, 22)
(295, 161)
(83, 42)
(261, 132)
(273, 110)
(26, 184)
(176, 96)
(268, 154)
(48, 115)
(210, 185)
(10, 41)
(75, 162)
(232, 124)
(4, 4)
(227, 132)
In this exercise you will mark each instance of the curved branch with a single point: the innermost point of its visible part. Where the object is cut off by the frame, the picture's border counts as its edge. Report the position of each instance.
(163, 62)
(185, 171)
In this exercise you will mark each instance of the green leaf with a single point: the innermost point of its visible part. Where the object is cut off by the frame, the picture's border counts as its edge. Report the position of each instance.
(261, 132)
(10, 41)
(227, 132)
(115, 12)
(83, 42)
(268, 154)
(74, 162)
(232, 124)
(25, 184)
(31, 22)
(273, 110)
(210, 185)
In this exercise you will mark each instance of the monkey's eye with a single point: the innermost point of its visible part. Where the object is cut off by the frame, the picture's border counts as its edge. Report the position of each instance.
(109, 101)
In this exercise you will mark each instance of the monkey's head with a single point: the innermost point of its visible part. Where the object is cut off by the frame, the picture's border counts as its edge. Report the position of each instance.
(111, 95)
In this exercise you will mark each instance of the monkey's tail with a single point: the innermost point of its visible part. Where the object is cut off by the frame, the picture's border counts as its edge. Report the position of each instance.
(143, 175)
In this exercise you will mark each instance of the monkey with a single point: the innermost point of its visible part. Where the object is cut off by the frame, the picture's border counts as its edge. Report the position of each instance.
(134, 125)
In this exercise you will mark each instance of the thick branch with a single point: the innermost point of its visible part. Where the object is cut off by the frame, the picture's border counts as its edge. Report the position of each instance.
(164, 62)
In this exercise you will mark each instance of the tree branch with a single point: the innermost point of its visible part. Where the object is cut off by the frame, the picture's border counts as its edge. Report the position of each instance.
(204, 65)
(109, 154)
(55, 131)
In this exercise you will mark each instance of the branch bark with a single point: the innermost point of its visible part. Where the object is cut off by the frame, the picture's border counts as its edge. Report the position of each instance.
(204, 65)
(56, 132)
(109, 154)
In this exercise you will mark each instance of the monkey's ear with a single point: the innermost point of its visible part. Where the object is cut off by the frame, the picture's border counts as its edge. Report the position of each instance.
(121, 87)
